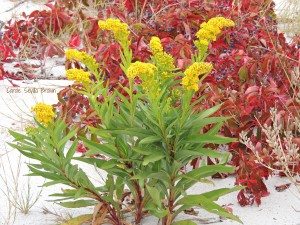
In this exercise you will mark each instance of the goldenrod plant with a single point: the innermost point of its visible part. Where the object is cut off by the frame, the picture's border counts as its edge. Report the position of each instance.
(148, 136)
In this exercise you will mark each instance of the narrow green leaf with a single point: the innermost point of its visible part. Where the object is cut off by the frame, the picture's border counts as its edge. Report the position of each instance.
(195, 175)
(150, 140)
(83, 219)
(153, 158)
(208, 205)
(66, 138)
(155, 195)
(184, 222)
(78, 204)
(71, 151)
(216, 194)
(207, 138)
(97, 148)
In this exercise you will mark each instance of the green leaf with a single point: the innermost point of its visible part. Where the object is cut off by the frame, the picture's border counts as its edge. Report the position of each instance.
(143, 150)
(159, 213)
(208, 138)
(71, 151)
(155, 195)
(153, 158)
(150, 140)
(243, 73)
(199, 124)
(18, 136)
(102, 164)
(201, 152)
(78, 204)
(202, 115)
(184, 222)
(195, 175)
(215, 194)
(66, 138)
(208, 205)
(47, 175)
(97, 148)
(79, 220)
(205, 171)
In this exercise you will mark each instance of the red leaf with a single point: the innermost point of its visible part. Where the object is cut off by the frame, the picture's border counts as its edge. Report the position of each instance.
(75, 41)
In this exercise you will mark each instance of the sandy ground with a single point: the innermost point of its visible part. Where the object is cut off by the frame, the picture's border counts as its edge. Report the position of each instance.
(280, 208)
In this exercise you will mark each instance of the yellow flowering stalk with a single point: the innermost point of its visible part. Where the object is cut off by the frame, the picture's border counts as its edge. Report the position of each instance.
(79, 76)
(140, 69)
(208, 32)
(119, 29)
(121, 34)
(146, 72)
(155, 45)
(191, 79)
(163, 60)
(81, 56)
(43, 113)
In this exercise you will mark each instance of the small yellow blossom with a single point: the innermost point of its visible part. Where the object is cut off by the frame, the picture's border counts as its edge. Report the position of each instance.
(211, 29)
(140, 69)
(146, 72)
(43, 113)
(119, 29)
(220, 22)
(191, 79)
(83, 57)
(155, 45)
(163, 60)
(165, 63)
(204, 42)
(79, 76)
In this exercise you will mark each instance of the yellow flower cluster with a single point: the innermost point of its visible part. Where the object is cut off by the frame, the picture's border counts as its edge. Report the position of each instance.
(43, 113)
(140, 69)
(119, 29)
(79, 76)
(83, 57)
(211, 29)
(163, 60)
(155, 45)
(191, 79)
(145, 71)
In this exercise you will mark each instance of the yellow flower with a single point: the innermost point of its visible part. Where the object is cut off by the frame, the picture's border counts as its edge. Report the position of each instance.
(83, 57)
(140, 69)
(191, 79)
(43, 113)
(155, 45)
(163, 60)
(119, 29)
(165, 64)
(220, 22)
(79, 76)
(146, 72)
(203, 42)
(210, 30)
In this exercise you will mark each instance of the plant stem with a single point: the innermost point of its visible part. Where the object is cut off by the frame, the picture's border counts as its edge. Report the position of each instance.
(112, 212)
(138, 203)
(167, 220)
